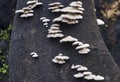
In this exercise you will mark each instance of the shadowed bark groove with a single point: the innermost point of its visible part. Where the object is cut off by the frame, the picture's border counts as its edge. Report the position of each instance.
(29, 35)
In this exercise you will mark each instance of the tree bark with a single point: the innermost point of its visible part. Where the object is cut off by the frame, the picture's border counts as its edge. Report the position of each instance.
(29, 35)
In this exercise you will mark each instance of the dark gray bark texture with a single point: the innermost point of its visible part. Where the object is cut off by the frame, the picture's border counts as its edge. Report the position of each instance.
(29, 35)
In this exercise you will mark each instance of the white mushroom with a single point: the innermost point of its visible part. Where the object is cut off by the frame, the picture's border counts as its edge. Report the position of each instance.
(34, 54)
(46, 20)
(78, 75)
(19, 11)
(26, 15)
(60, 59)
(77, 43)
(55, 7)
(83, 46)
(84, 51)
(71, 10)
(82, 68)
(68, 39)
(55, 25)
(31, 2)
(100, 22)
(90, 77)
(55, 3)
(58, 35)
(75, 66)
(99, 78)
(87, 73)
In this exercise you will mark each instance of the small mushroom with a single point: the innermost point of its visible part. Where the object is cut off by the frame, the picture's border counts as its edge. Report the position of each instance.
(84, 51)
(99, 78)
(75, 66)
(87, 73)
(82, 68)
(83, 46)
(71, 14)
(55, 7)
(34, 54)
(77, 43)
(45, 21)
(54, 32)
(60, 59)
(68, 39)
(78, 75)
(100, 22)
(90, 77)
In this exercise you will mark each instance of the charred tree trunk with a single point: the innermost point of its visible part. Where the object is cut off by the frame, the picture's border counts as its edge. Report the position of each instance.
(29, 35)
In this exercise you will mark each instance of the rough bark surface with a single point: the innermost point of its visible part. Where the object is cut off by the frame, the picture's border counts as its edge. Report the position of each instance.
(29, 35)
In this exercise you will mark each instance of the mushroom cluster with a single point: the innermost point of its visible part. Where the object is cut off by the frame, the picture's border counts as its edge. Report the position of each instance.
(54, 31)
(82, 48)
(28, 11)
(55, 7)
(71, 14)
(34, 54)
(60, 59)
(84, 73)
(33, 3)
(45, 21)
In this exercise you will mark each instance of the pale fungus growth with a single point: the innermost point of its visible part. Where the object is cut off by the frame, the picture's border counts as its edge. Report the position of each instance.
(87, 73)
(83, 46)
(90, 77)
(60, 59)
(75, 66)
(77, 43)
(55, 7)
(45, 21)
(78, 75)
(55, 32)
(33, 3)
(68, 39)
(83, 72)
(100, 22)
(99, 78)
(84, 51)
(34, 54)
(27, 11)
(82, 68)
(71, 14)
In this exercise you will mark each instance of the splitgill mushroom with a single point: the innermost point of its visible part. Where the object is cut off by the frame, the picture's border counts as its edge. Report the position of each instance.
(68, 39)
(33, 3)
(34, 54)
(82, 48)
(27, 11)
(71, 14)
(60, 59)
(55, 32)
(45, 21)
(100, 22)
(55, 7)
(83, 72)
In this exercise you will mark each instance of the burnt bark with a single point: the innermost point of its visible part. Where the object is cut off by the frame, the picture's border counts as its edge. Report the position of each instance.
(29, 35)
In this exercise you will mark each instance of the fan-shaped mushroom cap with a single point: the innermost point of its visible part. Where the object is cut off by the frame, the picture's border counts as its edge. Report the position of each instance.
(83, 46)
(68, 39)
(82, 68)
(78, 75)
(99, 78)
(84, 51)
(90, 77)
(58, 35)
